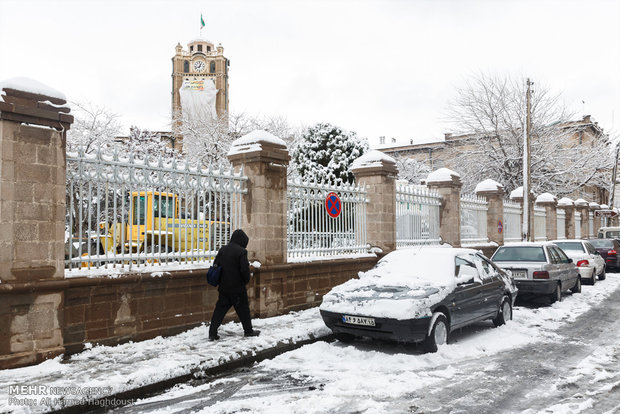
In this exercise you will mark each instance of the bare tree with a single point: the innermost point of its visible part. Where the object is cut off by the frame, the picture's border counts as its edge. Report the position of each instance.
(94, 126)
(411, 169)
(491, 109)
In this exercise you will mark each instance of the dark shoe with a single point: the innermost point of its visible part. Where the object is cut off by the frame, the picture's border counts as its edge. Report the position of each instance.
(252, 333)
(214, 337)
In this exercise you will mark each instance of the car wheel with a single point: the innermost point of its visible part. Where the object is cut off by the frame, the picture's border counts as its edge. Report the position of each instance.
(557, 295)
(504, 313)
(438, 335)
(593, 280)
(602, 275)
(577, 287)
(344, 337)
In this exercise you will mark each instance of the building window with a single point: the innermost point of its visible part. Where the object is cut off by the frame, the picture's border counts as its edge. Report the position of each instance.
(200, 48)
(186, 66)
(191, 48)
(208, 48)
(212, 66)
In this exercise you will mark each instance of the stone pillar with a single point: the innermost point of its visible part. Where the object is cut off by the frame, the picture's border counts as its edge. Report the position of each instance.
(377, 172)
(549, 202)
(569, 208)
(494, 194)
(264, 159)
(597, 220)
(582, 206)
(448, 184)
(33, 125)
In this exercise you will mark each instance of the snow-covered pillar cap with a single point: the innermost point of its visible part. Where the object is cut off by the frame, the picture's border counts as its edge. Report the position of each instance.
(489, 187)
(580, 202)
(546, 199)
(374, 163)
(604, 207)
(259, 145)
(444, 177)
(29, 101)
(565, 202)
(594, 205)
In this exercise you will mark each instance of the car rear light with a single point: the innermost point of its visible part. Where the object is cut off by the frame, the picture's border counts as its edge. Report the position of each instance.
(612, 253)
(583, 263)
(541, 275)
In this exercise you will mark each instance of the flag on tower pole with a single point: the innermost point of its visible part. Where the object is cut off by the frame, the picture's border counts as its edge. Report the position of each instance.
(202, 22)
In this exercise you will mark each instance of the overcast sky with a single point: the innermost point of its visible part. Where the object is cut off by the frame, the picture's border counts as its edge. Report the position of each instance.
(374, 67)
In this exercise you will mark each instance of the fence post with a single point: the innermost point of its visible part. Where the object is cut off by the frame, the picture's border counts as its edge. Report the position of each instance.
(32, 219)
(448, 184)
(377, 172)
(583, 207)
(596, 220)
(264, 159)
(569, 208)
(549, 202)
(493, 192)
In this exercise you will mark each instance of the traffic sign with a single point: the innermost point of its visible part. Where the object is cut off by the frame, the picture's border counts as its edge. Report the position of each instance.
(500, 226)
(605, 213)
(333, 205)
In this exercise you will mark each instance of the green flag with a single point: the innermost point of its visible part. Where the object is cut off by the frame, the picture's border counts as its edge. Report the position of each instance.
(202, 22)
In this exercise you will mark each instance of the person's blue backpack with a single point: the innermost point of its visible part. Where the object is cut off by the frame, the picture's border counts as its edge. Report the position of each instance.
(213, 275)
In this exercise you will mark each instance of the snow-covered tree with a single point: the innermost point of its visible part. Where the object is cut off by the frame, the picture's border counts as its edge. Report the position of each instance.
(411, 169)
(206, 140)
(326, 152)
(491, 110)
(148, 143)
(94, 126)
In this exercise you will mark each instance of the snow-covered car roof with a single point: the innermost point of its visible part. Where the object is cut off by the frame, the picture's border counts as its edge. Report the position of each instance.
(570, 240)
(532, 244)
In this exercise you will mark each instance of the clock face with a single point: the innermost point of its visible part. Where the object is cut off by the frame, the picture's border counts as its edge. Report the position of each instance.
(199, 66)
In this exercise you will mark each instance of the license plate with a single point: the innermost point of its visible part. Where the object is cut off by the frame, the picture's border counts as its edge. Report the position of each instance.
(357, 320)
(521, 274)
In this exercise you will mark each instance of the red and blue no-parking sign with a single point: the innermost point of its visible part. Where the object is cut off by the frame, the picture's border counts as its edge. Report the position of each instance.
(333, 205)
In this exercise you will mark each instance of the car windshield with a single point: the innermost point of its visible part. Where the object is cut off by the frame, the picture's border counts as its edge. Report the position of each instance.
(602, 243)
(570, 246)
(519, 254)
(612, 234)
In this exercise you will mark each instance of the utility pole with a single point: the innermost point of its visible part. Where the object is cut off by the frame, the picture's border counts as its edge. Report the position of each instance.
(526, 233)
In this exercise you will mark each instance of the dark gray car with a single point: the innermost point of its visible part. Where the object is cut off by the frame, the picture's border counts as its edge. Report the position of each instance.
(539, 269)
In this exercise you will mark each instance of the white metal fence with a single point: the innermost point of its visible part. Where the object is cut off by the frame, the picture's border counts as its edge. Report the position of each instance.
(312, 232)
(540, 223)
(134, 211)
(561, 220)
(512, 221)
(473, 220)
(577, 225)
(417, 215)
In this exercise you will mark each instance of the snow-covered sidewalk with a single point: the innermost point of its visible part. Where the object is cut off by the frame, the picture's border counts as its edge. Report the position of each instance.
(103, 370)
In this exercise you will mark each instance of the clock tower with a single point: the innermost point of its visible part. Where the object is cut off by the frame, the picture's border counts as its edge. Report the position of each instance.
(201, 64)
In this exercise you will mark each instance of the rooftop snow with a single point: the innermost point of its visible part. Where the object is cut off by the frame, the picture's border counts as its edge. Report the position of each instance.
(32, 86)
(372, 158)
(442, 175)
(488, 185)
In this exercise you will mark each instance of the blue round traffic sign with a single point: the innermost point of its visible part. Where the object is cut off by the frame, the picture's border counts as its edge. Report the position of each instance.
(333, 205)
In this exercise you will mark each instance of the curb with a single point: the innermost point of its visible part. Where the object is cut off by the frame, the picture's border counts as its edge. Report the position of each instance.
(248, 358)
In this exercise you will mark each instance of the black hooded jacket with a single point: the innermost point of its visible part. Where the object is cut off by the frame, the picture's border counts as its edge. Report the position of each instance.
(234, 261)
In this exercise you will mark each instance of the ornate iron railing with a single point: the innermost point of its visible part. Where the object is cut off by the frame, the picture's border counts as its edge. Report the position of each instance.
(512, 221)
(561, 220)
(473, 220)
(540, 224)
(417, 215)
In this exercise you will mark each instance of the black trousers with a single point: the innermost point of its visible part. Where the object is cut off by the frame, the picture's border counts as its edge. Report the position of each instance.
(224, 302)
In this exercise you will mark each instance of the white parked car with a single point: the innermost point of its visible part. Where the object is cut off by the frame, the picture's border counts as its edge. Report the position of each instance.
(589, 262)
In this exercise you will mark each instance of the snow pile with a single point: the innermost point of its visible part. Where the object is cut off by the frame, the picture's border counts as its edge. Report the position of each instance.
(31, 86)
(488, 185)
(516, 193)
(546, 198)
(442, 175)
(403, 285)
(372, 159)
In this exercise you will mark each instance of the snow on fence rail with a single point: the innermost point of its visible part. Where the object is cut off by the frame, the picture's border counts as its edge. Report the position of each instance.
(417, 215)
(561, 217)
(512, 221)
(540, 224)
(312, 232)
(473, 220)
(133, 211)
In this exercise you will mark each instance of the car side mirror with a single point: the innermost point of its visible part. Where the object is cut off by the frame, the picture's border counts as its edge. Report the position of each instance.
(570, 260)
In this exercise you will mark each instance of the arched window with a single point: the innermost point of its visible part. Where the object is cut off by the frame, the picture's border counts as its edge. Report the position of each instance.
(212, 66)
(186, 66)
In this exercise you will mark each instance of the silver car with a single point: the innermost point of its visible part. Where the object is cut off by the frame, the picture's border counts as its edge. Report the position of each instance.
(541, 269)
(589, 262)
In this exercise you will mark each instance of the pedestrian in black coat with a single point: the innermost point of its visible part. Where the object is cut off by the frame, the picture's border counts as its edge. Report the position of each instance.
(233, 258)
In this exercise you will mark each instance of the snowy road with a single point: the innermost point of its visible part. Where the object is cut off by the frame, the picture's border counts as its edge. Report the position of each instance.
(563, 358)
